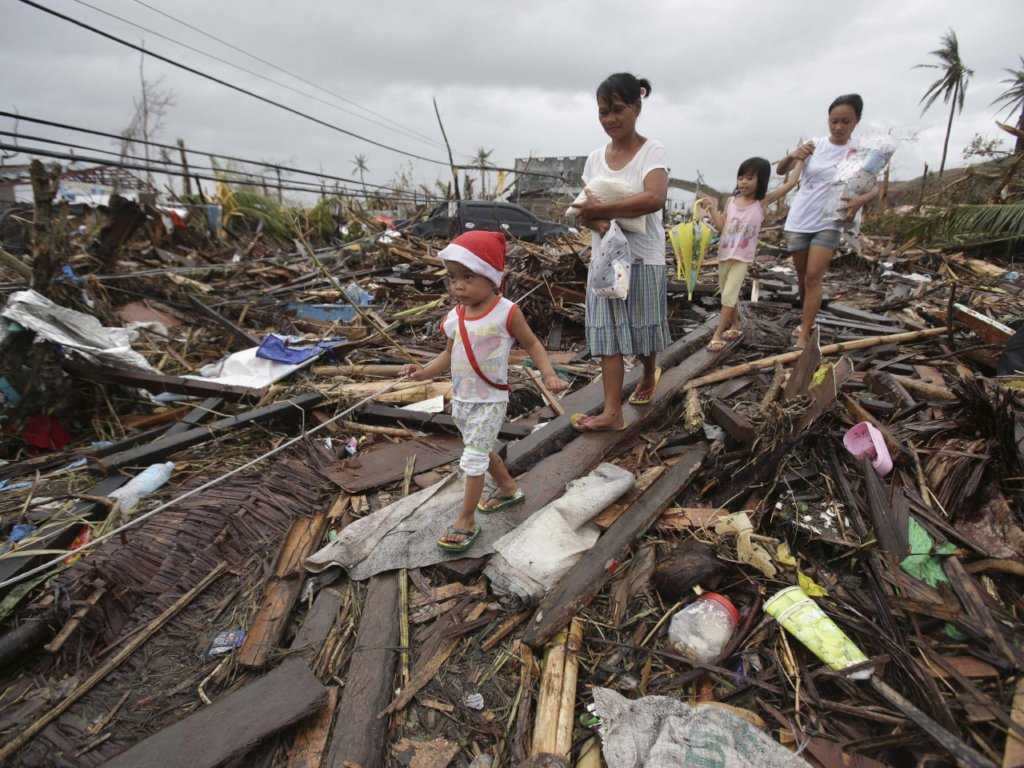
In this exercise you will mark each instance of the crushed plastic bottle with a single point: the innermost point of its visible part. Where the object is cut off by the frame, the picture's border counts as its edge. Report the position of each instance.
(142, 485)
(702, 630)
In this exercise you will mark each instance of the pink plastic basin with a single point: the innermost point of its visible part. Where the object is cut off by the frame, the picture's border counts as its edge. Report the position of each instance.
(864, 440)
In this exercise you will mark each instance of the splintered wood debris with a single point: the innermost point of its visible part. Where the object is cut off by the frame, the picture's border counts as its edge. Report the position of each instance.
(194, 636)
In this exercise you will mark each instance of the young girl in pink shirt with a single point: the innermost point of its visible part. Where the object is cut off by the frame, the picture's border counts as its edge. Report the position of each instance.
(739, 226)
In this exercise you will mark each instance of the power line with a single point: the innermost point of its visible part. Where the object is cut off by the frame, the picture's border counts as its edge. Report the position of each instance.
(240, 176)
(285, 71)
(262, 163)
(226, 84)
(413, 197)
(175, 148)
(162, 36)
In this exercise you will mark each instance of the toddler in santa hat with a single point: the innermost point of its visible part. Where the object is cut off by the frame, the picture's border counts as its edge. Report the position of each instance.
(480, 330)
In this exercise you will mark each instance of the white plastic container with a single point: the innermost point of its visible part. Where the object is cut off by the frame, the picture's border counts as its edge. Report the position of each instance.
(140, 486)
(703, 629)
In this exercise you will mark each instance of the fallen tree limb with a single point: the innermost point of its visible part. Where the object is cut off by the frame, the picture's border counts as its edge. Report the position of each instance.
(828, 349)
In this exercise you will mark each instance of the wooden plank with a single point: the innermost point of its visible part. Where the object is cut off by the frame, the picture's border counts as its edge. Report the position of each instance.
(359, 736)
(157, 382)
(736, 425)
(310, 743)
(803, 371)
(988, 330)
(379, 466)
(596, 567)
(425, 421)
(256, 711)
(167, 446)
(845, 310)
(612, 513)
(247, 339)
(688, 354)
(319, 620)
(282, 590)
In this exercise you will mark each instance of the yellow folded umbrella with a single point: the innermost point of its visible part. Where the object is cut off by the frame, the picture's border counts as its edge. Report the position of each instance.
(690, 241)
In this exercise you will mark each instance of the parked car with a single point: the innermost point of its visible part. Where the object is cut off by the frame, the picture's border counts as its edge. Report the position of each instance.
(457, 216)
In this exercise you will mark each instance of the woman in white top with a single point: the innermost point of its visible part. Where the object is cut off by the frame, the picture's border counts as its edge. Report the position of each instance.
(812, 232)
(637, 325)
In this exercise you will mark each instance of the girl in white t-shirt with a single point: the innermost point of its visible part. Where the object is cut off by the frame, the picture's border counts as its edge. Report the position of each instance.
(638, 324)
(812, 235)
(739, 225)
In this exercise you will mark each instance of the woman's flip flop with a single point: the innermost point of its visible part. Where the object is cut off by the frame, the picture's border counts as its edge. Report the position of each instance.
(581, 423)
(504, 501)
(637, 399)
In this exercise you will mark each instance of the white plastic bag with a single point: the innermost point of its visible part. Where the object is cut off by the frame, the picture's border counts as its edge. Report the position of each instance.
(858, 172)
(611, 265)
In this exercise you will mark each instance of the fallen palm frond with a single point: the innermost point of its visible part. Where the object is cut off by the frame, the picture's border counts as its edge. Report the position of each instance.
(973, 224)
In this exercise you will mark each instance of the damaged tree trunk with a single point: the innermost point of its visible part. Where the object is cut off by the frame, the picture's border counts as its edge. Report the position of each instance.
(45, 265)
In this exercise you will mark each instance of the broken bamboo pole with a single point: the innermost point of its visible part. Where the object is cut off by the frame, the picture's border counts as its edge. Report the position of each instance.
(545, 731)
(829, 349)
(567, 701)
(926, 390)
(100, 674)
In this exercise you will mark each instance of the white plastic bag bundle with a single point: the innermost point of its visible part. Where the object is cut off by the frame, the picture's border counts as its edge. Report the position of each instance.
(606, 190)
(611, 266)
(858, 170)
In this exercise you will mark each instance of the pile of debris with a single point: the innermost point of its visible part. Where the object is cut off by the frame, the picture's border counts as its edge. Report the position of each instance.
(239, 567)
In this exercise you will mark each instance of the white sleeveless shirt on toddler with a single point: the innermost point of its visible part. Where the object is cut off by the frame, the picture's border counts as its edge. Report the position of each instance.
(491, 337)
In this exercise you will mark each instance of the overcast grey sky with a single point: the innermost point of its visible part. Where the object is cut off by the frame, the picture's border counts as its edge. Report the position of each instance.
(731, 79)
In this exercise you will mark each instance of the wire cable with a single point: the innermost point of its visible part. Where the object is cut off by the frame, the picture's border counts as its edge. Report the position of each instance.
(232, 86)
(135, 521)
(270, 64)
(175, 148)
(402, 130)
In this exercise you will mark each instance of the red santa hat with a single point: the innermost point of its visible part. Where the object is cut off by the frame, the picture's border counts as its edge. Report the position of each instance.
(480, 252)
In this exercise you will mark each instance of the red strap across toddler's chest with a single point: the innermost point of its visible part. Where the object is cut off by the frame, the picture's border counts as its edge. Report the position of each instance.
(460, 312)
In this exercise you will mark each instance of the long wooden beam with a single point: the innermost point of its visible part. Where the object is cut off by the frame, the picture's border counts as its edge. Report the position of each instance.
(157, 382)
(160, 449)
(596, 567)
(359, 737)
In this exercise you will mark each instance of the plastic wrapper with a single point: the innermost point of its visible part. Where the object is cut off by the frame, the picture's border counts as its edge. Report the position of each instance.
(606, 190)
(611, 266)
(857, 172)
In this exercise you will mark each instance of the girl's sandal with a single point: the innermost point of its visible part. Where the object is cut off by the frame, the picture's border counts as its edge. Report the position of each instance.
(732, 335)
(469, 536)
(716, 345)
(504, 501)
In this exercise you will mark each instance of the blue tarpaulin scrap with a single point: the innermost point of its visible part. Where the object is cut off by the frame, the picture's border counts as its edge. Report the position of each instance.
(294, 350)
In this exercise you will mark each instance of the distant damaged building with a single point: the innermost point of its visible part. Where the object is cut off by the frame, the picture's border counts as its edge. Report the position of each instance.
(546, 185)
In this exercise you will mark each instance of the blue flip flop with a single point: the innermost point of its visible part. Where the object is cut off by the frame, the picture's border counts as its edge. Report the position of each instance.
(504, 501)
(461, 546)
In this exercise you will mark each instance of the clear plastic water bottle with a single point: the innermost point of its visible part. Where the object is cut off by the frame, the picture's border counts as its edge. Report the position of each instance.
(140, 486)
(701, 631)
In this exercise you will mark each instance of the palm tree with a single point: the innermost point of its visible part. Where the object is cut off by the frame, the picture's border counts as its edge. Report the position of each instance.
(951, 86)
(482, 155)
(1013, 98)
(360, 166)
